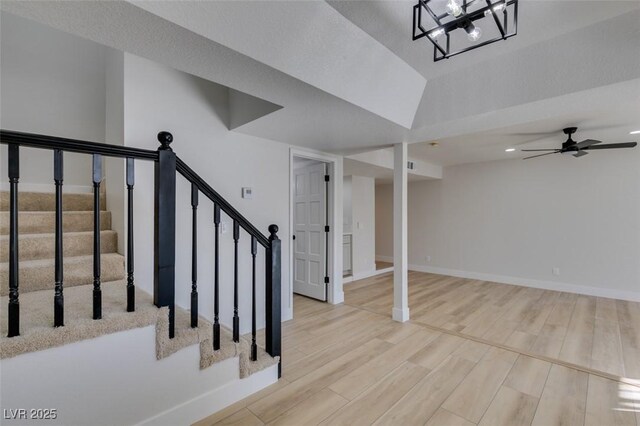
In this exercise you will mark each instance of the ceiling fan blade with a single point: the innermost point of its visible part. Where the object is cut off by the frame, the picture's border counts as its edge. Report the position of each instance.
(541, 155)
(586, 143)
(555, 132)
(614, 145)
(580, 154)
(534, 150)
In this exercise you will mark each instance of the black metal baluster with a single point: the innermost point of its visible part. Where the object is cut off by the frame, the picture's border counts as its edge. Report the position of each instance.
(14, 303)
(236, 319)
(254, 346)
(131, 291)
(194, 257)
(97, 291)
(58, 298)
(216, 280)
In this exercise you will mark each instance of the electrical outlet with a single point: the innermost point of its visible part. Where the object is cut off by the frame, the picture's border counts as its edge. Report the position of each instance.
(223, 227)
(556, 271)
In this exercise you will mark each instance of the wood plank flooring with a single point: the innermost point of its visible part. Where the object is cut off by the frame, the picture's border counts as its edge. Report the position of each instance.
(383, 265)
(474, 353)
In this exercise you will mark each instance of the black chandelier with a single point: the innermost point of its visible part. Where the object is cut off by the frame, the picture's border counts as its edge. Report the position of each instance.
(438, 21)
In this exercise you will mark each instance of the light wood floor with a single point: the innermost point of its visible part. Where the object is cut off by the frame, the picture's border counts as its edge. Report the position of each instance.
(383, 265)
(467, 357)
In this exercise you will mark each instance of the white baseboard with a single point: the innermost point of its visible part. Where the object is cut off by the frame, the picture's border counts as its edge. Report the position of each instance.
(527, 282)
(46, 187)
(205, 405)
(365, 274)
(380, 258)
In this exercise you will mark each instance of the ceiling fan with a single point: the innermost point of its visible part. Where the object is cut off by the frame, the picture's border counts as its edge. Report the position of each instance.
(579, 149)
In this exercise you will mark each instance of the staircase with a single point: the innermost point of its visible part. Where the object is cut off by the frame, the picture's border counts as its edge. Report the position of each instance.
(64, 281)
(37, 242)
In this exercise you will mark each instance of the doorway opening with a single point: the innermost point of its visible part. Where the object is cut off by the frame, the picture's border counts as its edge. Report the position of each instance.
(310, 187)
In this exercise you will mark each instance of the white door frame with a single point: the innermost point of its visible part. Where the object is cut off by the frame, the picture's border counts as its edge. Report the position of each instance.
(335, 294)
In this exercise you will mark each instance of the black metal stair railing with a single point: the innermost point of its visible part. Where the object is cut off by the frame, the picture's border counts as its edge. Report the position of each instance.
(272, 246)
(167, 165)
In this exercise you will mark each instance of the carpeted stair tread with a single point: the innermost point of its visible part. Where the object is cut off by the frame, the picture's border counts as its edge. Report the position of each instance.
(46, 201)
(37, 332)
(186, 336)
(78, 270)
(42, 246)
(36, 318)
(44, 222)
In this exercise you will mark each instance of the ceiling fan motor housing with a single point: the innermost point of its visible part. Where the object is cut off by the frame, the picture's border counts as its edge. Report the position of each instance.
(569, 131)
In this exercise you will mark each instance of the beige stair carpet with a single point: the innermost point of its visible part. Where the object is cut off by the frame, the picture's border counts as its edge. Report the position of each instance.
(44, 222)
(36, 318)
(42, 246)
(38, 333)
(203, 335)
(46, 201)
(38, 275)
(36, 242)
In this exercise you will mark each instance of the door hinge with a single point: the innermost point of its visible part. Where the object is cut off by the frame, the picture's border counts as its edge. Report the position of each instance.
(326, 178)
(326, 228)
(326, 280)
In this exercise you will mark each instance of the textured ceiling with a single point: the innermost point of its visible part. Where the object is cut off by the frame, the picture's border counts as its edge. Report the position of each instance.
(346, 81)
(390, 23)
(611, 119)
(310, 41)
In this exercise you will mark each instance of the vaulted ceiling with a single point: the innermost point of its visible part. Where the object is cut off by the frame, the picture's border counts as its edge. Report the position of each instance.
(349, 78)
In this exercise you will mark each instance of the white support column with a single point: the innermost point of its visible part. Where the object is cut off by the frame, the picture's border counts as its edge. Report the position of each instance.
(400, 263)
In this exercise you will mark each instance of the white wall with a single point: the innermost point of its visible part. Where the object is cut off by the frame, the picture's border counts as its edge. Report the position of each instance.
(384, 222)
(347, 210)
(384, 158)
(51, 83)
(359, 220)
(517, 220)
(114, 168)
(195, 111)
(116, 380)
(364, 228)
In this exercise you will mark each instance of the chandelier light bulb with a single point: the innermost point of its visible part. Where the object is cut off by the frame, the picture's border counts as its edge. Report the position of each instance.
(474, 33)
(454, 9)
(497, 8)
(436, 33)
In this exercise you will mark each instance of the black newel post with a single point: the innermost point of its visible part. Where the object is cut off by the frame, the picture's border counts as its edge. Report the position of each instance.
(273, 297)
(194, 257)
(216, 280)
(165, 229)
(14, 304)
(97, 291)
(236, 319)
(58, 298)
(131, 291)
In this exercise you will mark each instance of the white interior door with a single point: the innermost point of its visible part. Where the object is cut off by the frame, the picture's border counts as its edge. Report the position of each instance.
(310, 240)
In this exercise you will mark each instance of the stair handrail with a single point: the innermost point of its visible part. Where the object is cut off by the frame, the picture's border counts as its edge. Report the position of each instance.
(33, 140)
